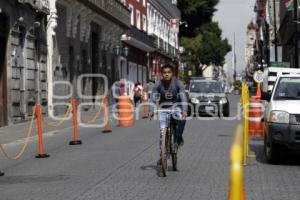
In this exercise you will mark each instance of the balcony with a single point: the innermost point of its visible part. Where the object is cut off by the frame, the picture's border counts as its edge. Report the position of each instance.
(140, 40)
(112, 9)
(142, 36)
(167, 50)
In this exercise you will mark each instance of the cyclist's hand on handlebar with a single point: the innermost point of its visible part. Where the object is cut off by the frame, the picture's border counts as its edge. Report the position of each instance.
(184, 115)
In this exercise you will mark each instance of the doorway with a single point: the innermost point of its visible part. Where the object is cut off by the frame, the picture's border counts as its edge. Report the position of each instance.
(3, 71)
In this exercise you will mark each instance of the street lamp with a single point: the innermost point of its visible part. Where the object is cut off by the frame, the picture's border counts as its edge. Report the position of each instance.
(124, 51)
(185, 24)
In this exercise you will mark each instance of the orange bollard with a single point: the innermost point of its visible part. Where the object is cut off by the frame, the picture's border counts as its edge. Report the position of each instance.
(40, 132)
(126, 116)
(75, 125)
(145, 106)
(107, 128)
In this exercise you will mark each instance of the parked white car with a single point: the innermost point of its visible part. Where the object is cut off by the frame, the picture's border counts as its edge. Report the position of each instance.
(282, 117)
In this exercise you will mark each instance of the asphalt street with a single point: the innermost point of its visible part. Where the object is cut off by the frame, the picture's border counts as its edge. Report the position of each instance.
(122, 166)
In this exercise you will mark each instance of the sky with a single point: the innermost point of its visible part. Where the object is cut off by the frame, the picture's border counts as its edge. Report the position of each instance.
(233, 17)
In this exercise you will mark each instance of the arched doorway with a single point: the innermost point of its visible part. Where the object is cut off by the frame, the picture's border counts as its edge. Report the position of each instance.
(3, 70)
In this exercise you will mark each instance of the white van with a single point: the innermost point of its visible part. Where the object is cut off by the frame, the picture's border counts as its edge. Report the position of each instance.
(282, 117)
(271, 74)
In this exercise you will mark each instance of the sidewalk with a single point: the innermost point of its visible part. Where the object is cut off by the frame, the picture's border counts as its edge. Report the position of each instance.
(17, 132)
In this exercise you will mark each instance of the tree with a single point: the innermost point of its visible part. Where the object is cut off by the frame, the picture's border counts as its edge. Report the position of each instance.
(196, 13)
(206, 48)
(202, 39)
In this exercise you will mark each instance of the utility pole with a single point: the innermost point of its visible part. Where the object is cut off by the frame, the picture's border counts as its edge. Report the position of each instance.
(296, 33)
(234, 59)
(275, 31)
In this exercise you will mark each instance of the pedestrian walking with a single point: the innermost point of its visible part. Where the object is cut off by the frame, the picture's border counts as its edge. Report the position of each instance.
(149, 87)
(118, 89)
(138, 92)
(116, 92)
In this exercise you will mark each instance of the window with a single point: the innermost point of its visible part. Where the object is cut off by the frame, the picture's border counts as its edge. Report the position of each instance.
(144, 23)
(144, 3)
(138, 19)
(132, 14)
(288, 88)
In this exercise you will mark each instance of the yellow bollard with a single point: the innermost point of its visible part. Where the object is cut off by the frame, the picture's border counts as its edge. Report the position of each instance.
(236, 190)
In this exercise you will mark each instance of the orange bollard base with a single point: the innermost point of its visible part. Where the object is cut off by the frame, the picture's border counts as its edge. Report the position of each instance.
(77, 142)
(1, 174)
(42, 156)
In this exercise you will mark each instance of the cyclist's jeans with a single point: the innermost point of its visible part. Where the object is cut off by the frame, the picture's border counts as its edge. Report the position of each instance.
(177, 114)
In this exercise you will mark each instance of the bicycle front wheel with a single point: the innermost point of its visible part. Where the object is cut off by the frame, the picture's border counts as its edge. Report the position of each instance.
(174, 161)
(164, 152)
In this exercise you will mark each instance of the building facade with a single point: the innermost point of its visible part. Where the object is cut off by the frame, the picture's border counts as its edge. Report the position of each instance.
(84, 37)
(152, 40)
(249, 50)
(163, 24)
(289, 39)
(277, 39)
(47, 45)
(23, 58)
(138, 42)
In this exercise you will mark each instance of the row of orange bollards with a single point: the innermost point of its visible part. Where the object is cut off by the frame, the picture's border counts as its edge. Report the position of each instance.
(126, 119)
(75, 140)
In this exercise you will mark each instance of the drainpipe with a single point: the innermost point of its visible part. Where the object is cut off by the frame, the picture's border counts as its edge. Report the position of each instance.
(51, 25)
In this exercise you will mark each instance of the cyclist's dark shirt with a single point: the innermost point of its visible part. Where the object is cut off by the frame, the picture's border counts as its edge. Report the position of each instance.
(168, 96)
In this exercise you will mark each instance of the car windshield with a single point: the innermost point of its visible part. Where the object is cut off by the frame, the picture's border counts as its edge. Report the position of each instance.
(206, 87)
(288, 88)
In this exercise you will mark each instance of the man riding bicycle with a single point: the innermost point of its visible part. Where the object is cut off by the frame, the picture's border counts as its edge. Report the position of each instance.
(169, 93)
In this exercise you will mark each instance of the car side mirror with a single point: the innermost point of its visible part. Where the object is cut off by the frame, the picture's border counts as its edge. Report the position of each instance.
(266, 96)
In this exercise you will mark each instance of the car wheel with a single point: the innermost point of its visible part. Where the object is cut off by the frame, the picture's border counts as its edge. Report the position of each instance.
(226, 113)
(271, 151)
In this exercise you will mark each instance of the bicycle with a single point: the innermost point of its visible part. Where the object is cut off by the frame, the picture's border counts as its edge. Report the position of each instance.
(169, 147)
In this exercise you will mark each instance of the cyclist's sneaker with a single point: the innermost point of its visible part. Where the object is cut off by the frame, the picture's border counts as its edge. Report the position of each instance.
(180, 141)
(159, 162)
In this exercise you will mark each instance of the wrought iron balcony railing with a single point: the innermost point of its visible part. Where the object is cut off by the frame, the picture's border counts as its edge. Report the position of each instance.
(142, 36)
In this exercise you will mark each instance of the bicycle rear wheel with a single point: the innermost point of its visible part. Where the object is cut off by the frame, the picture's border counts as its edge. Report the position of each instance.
(164, 152)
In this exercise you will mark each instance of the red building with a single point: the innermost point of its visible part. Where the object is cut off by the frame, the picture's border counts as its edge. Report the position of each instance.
(152, 40)
(138, 10)
(135, 64)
